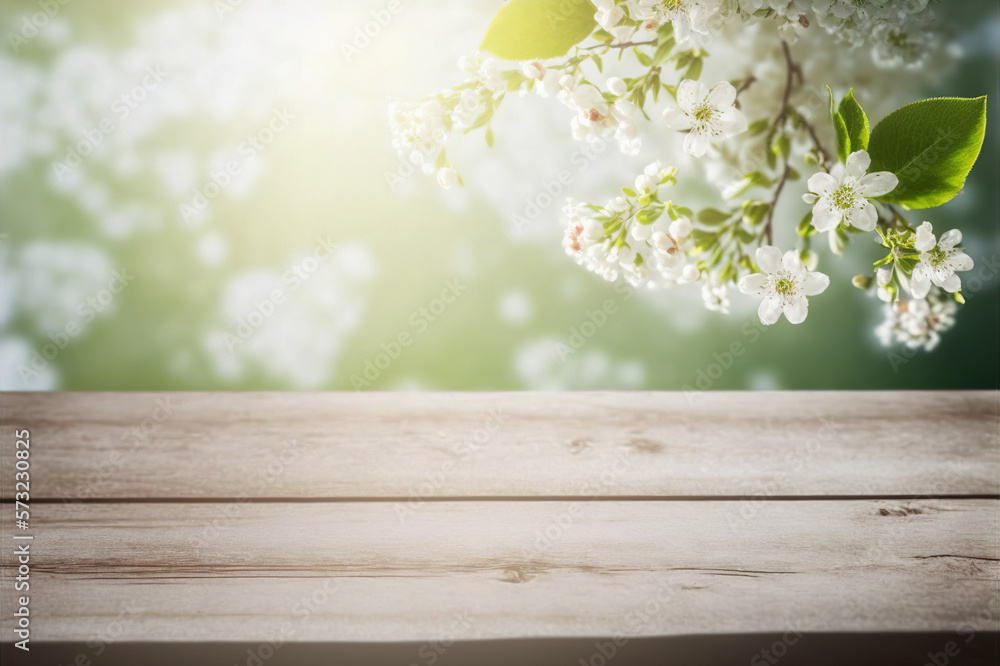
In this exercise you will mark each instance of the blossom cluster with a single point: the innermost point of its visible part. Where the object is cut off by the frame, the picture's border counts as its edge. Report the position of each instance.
(421, 129)
(763, 122)
(635, 236)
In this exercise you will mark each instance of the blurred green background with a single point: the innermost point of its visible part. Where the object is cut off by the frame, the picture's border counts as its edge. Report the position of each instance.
(199, 78)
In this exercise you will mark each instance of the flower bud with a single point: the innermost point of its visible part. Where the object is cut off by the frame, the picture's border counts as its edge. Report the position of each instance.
(616, 86)
(533, 70)
(567, 82)
(447, 178)
(681, 228)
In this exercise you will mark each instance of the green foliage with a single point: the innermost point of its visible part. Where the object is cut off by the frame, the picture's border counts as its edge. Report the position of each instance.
(850, 123)
(855, 121)
(931, 146)
(528, 29)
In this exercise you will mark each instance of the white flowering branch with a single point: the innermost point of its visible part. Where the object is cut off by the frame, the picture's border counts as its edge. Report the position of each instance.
(862, 187)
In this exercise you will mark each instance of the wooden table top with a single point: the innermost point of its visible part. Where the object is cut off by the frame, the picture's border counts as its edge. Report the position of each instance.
(422, 516)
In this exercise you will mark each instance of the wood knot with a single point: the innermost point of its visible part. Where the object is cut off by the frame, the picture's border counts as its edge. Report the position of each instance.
(900, 511)
(515, 575)
(645, 445)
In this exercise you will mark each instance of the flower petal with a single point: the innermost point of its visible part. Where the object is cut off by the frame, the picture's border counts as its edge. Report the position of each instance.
(863, 217)
(722, 95)
(682, 31)
(689, 94)
(920, 286)
(815, 283)
(950, 239)
(754, 284)
(857, 164)
(769, 258)
(951, 284)
(877, 184)
(696, 144)
(961, 262)
(792, 263)
(796, 310)
(677, 119)
(769, 310)
(732, 122)
(925, 240)
(825, 217)
(823, 183)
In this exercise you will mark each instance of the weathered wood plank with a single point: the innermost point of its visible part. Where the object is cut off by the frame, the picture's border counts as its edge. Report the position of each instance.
(190, 445)
(360, 571)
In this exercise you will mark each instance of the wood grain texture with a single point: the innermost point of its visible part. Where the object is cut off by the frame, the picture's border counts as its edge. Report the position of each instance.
(356, 571)
(336, 445)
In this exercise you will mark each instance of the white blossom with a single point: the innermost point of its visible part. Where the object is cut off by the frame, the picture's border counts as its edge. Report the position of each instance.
(486, 70)
(447, 178)
(842, 196)
(715, 297)
(918, 323)
(653, 254)
(940, 260)
(617, 86)
(596, 119)
(784, 284)
(710, 115)
(418, 131)
(687, 16)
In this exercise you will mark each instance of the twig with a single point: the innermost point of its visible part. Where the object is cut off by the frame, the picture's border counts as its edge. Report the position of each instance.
(746, 84)
(782, 116)
(623, 45)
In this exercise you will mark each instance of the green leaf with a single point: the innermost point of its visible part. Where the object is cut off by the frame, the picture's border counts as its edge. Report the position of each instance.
(856, 122)
(694, 71)
(805, 228)
(528, 29)
(489, 137)
(843, 137)
(663, 51)
(931, 146)
(713, 217)
(758, 127)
